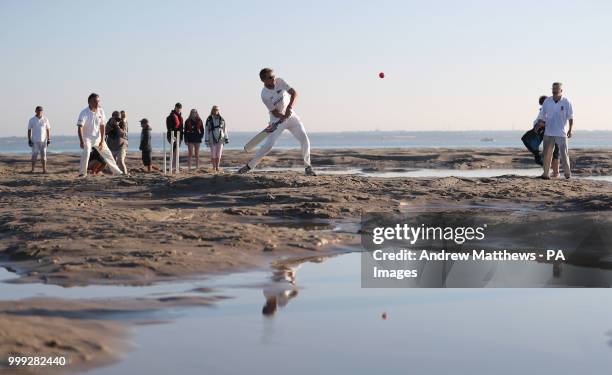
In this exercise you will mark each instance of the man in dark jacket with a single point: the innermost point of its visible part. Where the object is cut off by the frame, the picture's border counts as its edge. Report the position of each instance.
(145, 143)
(174, 123)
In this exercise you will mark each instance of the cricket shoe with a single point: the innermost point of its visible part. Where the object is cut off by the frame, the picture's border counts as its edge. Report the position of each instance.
(309, 172)
(244, 170)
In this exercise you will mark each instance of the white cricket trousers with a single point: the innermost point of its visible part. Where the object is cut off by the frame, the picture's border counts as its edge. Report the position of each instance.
(549, 145)
(104, 152)
(296, 128)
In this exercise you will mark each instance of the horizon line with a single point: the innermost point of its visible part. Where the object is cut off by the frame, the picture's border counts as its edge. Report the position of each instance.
(352, 131)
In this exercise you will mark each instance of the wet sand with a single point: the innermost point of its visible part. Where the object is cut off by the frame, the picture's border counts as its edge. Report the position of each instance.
(144, 228)
(86, 332)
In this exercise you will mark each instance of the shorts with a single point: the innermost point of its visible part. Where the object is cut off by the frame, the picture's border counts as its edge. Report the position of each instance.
(146, 157)
(193, 137)
(39, 148)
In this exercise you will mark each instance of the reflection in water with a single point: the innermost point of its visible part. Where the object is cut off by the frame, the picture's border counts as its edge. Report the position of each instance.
(281, 290)
(557, 270)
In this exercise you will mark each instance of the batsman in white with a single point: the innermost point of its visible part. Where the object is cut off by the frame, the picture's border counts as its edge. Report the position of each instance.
(274, 95)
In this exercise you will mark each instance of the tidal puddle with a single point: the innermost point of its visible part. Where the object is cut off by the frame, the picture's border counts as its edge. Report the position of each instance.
(468, 173)
(430, 173)
(398, 172)
(600, 178)
(317, 319)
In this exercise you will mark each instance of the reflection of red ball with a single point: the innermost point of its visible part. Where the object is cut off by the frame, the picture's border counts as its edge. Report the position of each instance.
(381, 75)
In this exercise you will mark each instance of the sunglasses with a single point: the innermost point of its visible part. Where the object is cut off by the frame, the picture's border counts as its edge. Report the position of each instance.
(269, 78)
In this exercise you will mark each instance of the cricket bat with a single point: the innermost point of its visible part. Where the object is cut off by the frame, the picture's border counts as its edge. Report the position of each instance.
(257, 139)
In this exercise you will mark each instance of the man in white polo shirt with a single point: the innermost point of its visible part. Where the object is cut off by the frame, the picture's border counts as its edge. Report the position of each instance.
(90, 125)
(274, 96)
(556, 112)
(39, 137)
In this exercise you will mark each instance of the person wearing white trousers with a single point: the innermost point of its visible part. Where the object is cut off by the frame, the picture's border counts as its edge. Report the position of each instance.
(103, 150)
(91, 123)
(556, 113)
(274, 95)
(549, 146)
(296, 128)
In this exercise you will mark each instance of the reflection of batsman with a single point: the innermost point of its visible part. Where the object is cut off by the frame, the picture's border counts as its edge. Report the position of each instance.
(280, 291)
(274, 96)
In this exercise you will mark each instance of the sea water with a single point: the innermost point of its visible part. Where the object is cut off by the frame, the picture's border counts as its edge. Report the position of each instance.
(370, 139)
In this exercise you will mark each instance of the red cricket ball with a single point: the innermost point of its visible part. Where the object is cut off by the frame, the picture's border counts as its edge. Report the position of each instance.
(381, 75)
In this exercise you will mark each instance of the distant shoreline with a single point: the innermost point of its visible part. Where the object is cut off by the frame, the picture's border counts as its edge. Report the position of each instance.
(398, 132)
(231, 151)
(347, 140)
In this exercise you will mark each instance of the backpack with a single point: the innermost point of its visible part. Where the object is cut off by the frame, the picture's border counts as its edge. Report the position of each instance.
(532, 140)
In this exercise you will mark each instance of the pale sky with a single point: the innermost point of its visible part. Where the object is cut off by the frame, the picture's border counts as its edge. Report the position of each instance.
(449, 65)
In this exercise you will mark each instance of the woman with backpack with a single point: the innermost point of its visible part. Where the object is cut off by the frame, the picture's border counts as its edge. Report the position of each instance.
(216, 136)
